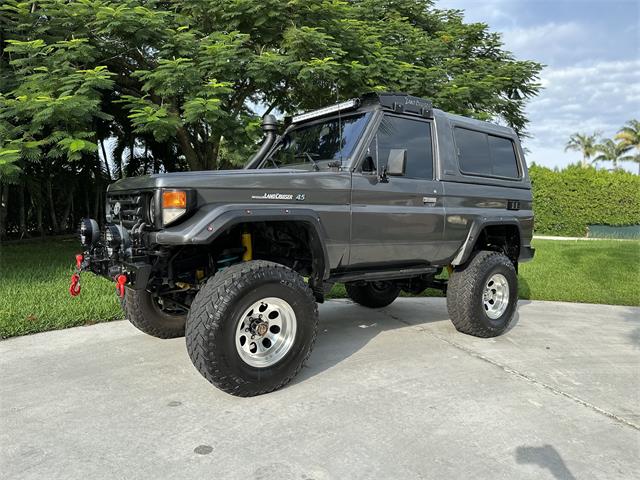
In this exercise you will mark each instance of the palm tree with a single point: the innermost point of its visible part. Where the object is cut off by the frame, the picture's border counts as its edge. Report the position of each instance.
(611, 151)
(630, 135)
(584, 143)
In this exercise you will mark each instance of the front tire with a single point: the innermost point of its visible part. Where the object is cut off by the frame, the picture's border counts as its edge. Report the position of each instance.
(146, 314)
(482, 295)
(251, 328)
(373, 294)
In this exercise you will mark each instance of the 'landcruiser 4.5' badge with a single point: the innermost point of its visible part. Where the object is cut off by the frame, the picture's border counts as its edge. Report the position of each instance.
(278, 196)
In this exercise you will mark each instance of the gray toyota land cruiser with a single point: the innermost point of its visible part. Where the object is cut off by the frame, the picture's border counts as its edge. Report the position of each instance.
(382, 193)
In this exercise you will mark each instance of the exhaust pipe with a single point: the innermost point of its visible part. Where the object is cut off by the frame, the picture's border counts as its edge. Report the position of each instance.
(269, 127)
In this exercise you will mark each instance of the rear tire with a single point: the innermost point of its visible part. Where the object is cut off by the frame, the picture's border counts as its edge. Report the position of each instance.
(482, 295)
(373, 294)
(146, 314)
(251, 328)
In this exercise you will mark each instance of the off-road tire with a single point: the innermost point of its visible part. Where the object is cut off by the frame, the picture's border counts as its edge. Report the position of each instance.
(465, 294)
(373, 294)
(216, 311)
(145, 314)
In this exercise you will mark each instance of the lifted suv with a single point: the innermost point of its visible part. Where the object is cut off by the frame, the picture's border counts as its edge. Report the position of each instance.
(381, 193)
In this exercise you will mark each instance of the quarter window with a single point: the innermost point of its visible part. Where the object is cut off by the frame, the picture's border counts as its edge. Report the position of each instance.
(412, 135)
(485, 155)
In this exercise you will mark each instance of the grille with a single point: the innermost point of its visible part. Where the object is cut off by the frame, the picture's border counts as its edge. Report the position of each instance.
(131, 209)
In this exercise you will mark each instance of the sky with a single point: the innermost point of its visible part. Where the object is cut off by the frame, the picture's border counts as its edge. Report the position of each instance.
(591, 49)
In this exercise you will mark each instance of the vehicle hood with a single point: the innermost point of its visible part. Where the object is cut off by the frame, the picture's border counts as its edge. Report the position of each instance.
(207, 179)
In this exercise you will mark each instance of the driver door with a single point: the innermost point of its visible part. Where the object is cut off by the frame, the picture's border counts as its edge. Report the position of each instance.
(397, 219)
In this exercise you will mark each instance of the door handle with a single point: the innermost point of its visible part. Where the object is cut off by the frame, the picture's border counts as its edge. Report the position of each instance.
(430, 201)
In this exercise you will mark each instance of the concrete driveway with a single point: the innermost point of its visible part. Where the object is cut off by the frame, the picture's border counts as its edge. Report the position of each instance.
(389, 394)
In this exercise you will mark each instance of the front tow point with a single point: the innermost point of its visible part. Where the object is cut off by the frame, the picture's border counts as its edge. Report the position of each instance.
(74, 288)
(120, 281)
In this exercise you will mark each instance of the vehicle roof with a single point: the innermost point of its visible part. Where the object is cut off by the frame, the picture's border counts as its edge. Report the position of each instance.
(405, 104)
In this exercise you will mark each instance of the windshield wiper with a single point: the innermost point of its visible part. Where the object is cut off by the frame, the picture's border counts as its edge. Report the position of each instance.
(308, 155)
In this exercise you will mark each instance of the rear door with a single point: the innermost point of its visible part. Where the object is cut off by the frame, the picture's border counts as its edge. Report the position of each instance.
(399, 221)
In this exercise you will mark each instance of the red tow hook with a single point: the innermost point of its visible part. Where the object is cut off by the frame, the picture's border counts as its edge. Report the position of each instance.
(120, 281)
(74, 288)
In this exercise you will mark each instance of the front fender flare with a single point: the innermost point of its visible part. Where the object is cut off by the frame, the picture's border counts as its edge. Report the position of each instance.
(211, 221)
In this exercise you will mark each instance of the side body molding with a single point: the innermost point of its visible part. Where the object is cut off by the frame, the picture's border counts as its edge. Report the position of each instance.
(210, 221)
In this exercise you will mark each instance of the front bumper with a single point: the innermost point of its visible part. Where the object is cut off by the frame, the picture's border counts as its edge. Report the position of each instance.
(137, 273)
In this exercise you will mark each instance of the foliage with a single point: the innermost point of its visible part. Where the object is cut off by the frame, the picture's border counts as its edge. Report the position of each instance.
(610, 151)
(193, 72)
(566, 202)
(629, 136)
(586, 144)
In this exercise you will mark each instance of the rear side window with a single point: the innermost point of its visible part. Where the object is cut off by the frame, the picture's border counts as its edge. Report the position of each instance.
(486, 155)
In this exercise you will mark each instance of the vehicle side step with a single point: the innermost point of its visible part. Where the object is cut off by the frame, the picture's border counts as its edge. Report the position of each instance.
(376, 275)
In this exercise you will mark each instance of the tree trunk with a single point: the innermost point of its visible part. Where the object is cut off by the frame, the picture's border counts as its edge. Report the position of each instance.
(187, 149)
(22, 217)
(96, 210)
(37, 203)
(67, 211)
(52, 208)
(106, 160)
(4, 200)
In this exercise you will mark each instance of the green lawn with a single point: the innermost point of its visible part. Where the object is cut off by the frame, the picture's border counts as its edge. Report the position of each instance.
(34, 282)
(34, 289)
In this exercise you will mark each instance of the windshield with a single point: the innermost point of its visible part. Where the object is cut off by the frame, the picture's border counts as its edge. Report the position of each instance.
(310, 145)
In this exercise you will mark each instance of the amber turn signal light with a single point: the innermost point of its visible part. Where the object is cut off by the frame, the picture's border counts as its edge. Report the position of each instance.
(174, 199)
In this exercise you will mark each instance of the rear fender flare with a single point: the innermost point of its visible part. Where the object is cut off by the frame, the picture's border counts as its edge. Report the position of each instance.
(464, 253)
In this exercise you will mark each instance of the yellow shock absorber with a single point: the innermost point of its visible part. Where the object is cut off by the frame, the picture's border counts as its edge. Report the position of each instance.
(248, 247)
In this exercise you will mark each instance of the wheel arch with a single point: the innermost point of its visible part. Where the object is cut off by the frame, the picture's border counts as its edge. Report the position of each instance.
(492, 234)
(308, 219)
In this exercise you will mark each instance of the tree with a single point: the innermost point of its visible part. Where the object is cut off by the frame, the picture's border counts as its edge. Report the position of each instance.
(194, 71)
(629, 135)
(182, 84)
(586, 144)
(611, 151)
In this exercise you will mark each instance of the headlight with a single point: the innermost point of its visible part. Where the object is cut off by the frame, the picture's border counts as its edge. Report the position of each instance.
(89, 232)
(116, 237)
(151, 211)
(175, 204)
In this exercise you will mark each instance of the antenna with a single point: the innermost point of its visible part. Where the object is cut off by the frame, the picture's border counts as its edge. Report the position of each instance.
(339, 123)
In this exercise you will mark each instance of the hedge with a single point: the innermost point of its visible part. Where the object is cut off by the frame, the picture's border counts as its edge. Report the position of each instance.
(566, 202)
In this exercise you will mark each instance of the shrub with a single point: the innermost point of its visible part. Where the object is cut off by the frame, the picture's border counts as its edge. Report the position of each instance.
(565, 202)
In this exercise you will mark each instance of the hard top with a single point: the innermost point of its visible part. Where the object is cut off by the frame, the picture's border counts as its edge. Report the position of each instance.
(403, 103)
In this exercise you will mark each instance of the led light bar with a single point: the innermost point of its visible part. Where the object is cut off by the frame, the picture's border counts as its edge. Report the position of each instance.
(349, 104)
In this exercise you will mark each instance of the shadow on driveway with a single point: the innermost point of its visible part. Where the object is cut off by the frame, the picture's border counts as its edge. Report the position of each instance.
(345, 328)
(545, 457)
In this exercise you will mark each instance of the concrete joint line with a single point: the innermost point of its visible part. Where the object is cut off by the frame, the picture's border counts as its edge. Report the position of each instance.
(523, 376)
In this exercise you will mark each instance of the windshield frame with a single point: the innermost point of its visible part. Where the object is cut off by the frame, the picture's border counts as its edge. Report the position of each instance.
(347, 161)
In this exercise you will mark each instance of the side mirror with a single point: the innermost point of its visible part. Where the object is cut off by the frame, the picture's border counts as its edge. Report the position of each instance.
(367, 165)
(397, 163)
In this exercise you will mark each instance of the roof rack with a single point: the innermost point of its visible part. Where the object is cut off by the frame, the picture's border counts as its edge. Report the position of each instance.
(395, 101)
(401, 102)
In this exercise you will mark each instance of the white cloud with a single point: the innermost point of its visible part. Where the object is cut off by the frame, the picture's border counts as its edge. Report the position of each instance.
(600, 96)
(551, 43)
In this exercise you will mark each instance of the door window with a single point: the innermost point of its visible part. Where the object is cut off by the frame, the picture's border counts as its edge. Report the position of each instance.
(403, 133)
